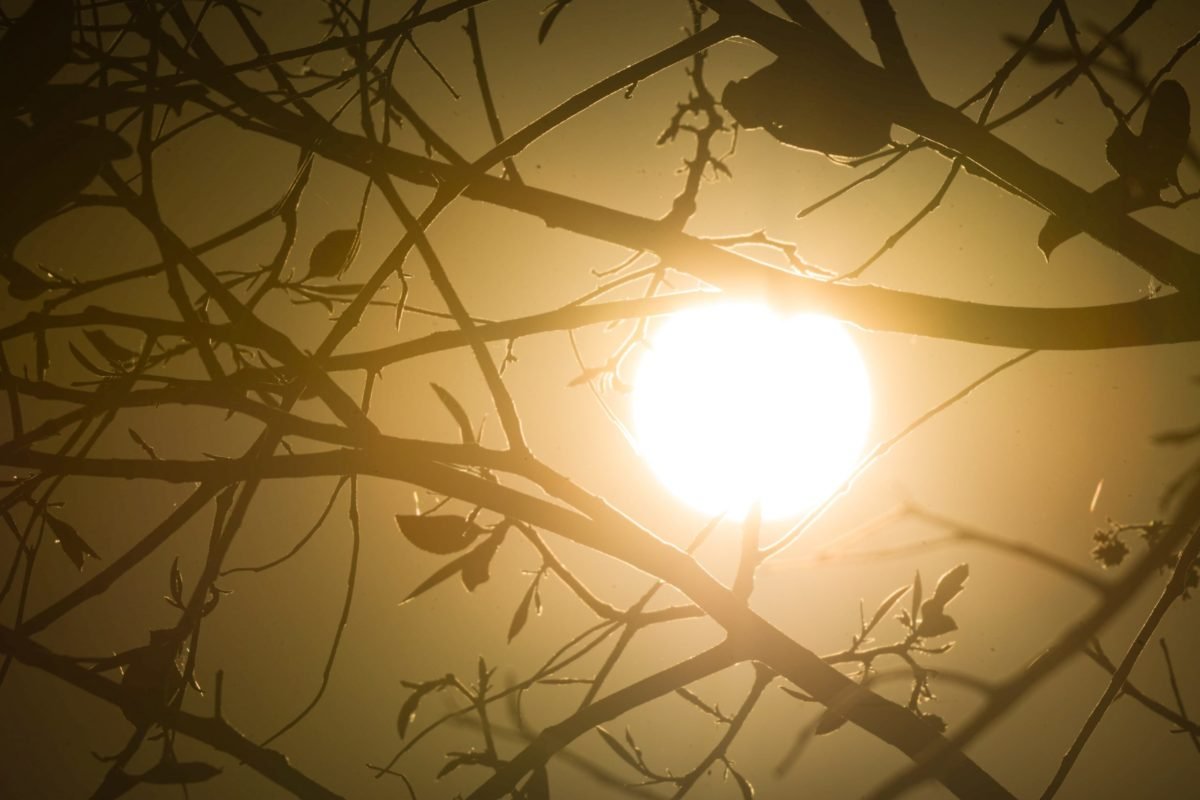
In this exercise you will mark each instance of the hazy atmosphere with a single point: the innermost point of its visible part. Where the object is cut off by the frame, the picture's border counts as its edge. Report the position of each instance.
(599, 399)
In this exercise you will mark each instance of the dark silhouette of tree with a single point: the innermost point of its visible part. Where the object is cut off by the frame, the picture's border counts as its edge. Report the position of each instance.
(93, 95)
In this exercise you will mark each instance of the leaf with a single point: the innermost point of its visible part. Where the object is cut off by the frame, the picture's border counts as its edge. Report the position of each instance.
(951, 583)
(439, 575)
(1164, 137)
(173, 772)
(744, 786)
(618, 748)
(140, 442)
(23, 283)
(521, 616)
(1113, 196)
(781, 97)
(86, 363)
(52, 166)
(917, 592)
(934, 622)
(550, 14)
(408, 711)
(34, 49)
(473, 567)
(438, 534)
(695, 700)
(884, 608)
(1146, 163)
(176, 582)
(829, 722)
(476, 568)
(72, 543)
(456, 410)
(210, 605)
(119, 357)
(333, 254)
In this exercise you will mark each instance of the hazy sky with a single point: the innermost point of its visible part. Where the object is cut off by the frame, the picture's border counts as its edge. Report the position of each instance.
(1022, 457)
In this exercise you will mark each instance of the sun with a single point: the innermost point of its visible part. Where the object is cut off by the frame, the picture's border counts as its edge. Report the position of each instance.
(735, 404)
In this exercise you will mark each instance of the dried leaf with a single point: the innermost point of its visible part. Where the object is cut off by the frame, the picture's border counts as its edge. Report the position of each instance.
(456, 410)
(438, 534)
(72, 543)
(333, 254)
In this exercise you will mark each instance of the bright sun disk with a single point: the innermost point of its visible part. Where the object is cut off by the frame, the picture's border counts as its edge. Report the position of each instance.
(733, 404)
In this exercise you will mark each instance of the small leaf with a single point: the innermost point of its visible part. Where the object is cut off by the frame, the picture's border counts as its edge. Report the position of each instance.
(456, 410)
(472, 566)
(550, 14)
(521, 616)
(917, 592)
(934, 622)
(476, 568)
(173, 772)
(441, 574)
(176, 582)
(884, 608)
(618, 748)
(438, 534)
(829, 722)
(463, 759)
(744, 786)
(117, 356)
(408, 711)
(85, 363)
(1165, 132)
(72, 543)
(210, 605)
(140, 442)
(951, 583)
(333, 254)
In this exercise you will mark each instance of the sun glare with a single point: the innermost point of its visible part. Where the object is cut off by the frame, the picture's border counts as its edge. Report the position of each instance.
(734, 404)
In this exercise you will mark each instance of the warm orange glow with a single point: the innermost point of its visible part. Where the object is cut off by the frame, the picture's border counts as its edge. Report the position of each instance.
(733, 404)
